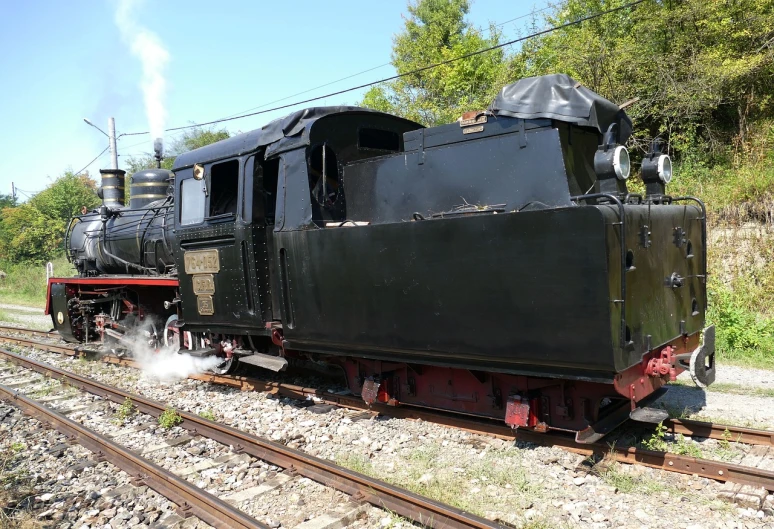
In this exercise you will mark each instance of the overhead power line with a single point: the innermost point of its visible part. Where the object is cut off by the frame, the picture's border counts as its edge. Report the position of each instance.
(406, 74)
(94, 160)
(532, 13)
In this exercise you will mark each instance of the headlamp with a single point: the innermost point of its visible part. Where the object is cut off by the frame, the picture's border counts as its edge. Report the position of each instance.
(664, 168)
(622, 164)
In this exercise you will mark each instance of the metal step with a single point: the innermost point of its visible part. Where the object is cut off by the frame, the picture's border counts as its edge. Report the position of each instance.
(273, 363)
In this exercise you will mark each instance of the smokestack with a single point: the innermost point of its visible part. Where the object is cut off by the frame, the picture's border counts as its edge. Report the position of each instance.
(158, 148)
(111, 190)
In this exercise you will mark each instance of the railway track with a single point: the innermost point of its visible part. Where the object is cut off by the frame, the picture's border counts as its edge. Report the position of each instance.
(712, 469)
(216, 512)
(187, 496)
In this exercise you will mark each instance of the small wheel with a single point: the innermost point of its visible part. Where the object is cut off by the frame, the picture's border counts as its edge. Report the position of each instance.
(172, 334)
(228, 365)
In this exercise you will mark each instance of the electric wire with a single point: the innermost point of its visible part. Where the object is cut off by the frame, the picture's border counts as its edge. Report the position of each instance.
(406, 74)
(532, 13)
(91, 162)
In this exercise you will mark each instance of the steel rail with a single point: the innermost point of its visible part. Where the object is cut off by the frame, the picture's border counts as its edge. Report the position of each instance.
(31, 332)
(737, 434)
(355, 484)
(687, 427)
(708, 468)
(717, 470)
(191, 500)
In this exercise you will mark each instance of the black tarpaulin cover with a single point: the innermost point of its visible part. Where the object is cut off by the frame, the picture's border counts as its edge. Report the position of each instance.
(556, 97)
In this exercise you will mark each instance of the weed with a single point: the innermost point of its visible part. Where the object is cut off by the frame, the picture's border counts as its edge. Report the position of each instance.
(657, 440)
(685, 447)
(681, 446)
(125, 410)
(725, 443)
(169, 418)
(17, 447)
(207, 414)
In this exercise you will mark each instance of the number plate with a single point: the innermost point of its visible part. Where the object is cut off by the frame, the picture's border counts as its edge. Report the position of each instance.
(202, 262)
(203, 284)
(205, 306)
(472, 121)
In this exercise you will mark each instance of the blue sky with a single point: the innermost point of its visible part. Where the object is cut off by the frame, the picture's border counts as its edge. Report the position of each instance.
(63, 61)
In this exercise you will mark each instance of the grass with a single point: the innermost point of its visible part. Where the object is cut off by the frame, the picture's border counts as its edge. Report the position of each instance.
(615, 475)
(726, 387)
(44, 391)
(25, 284)
(10, 317)
(429, 471)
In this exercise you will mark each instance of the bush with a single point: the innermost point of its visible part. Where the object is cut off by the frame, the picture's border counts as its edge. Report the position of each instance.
(744, 335)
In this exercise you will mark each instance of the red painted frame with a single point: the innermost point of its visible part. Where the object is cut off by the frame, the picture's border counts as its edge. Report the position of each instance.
(107, 281)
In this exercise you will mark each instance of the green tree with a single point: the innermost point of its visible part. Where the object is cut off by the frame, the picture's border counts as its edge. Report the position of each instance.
(437, 31)
(7, 201)
(34, 230)
(66, 196)
(702, 70)
(191, 139)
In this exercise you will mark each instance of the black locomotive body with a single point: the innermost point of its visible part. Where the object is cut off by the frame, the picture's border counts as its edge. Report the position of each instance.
(495, 266)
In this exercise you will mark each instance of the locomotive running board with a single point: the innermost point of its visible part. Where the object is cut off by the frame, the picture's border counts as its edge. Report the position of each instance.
(613, 419)
(273, 363)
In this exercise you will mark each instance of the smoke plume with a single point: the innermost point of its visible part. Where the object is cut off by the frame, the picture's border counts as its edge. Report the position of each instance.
(146, 46)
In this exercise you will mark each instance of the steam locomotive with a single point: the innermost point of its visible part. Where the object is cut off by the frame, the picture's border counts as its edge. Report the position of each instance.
(496, 266)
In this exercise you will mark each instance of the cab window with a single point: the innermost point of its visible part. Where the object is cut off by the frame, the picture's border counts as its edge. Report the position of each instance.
(224, 188)
(191, 201)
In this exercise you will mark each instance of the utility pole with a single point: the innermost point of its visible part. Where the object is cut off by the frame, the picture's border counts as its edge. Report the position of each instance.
(112, 138)
(13, 192)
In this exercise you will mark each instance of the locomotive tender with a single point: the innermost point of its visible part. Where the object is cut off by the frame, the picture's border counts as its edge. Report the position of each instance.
(496, 266)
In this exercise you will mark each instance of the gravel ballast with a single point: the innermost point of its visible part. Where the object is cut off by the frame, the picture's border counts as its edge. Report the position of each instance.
(520, 484)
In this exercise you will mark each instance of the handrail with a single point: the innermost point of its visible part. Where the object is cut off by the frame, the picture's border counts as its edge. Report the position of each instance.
(67, 237)
(703, 237)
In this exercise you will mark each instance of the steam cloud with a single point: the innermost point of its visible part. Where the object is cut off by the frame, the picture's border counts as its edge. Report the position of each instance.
(167, 364)
(146, 46)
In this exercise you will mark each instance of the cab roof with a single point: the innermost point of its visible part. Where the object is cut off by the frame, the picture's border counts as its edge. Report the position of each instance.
(279, 135)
